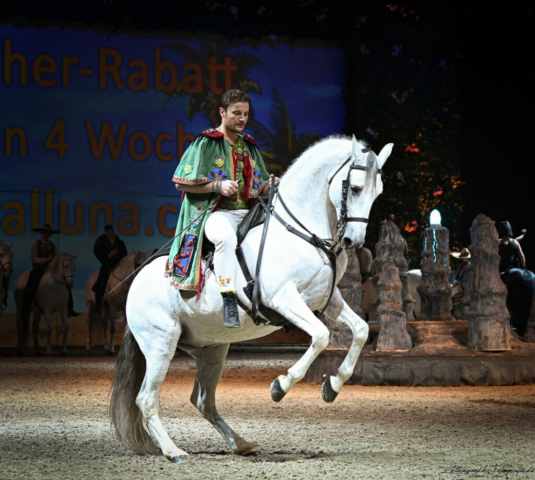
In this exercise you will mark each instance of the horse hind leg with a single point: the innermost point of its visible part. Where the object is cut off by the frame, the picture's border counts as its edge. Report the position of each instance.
(340, 312)
(210, 363)
(158, 356)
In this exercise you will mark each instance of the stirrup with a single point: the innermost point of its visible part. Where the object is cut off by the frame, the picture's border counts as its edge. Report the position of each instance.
(230, 310)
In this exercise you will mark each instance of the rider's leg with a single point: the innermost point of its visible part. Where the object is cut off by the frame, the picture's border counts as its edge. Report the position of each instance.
(289, 304)
(221, 228)
(210, 362)
(339, 311)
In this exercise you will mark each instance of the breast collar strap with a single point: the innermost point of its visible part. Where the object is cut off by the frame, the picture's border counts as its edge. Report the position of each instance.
(330, 247)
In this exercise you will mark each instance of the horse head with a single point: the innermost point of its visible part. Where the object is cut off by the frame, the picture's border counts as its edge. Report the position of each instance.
(6, 258)
(353, 189)
(63, 267)
(139, 258)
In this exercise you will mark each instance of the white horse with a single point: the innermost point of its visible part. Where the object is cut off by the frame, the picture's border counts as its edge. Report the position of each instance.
(51, 296)
(6, 269)
(295, 280)
(114, 303)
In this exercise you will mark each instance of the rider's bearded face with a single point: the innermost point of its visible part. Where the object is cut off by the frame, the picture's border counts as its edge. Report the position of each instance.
(235, 117)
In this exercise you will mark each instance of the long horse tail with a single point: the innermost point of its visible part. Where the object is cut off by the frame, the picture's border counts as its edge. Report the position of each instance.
(125, 416)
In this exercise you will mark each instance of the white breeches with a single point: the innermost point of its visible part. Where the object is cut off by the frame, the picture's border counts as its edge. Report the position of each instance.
(221, 228)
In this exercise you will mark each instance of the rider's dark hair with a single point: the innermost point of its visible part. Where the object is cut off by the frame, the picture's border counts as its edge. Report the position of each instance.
(231, 97)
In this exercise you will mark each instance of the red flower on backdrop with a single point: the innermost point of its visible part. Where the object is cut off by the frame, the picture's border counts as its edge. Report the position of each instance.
(455, 182)
(412, 148)
(411, 226)
(438, 191)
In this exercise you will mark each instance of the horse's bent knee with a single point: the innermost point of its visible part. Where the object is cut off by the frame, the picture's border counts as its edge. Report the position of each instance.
(362, 331)
(321, 339)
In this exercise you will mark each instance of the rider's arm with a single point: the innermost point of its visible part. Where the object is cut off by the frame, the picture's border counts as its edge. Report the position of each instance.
(524, 231)
(521, 255)
(228, 187)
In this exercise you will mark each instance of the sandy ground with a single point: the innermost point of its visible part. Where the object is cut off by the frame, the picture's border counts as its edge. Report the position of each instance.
(53, 425)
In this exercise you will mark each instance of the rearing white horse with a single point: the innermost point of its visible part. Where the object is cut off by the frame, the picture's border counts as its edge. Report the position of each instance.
(295, 280)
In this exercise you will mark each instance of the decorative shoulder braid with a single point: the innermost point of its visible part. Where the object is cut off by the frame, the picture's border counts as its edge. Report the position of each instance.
(250, 139)
(212, 133)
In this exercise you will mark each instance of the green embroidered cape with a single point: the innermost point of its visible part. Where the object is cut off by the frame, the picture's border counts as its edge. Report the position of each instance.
(208, 158)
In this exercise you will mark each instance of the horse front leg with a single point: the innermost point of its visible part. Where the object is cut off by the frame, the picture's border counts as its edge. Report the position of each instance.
(35, 330)
(112, 315)
(65, 329)
(48, 321)
(339, 311)
(288, 303)
(210, 363)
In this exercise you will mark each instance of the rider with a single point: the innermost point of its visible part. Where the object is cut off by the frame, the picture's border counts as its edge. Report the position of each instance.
(511, 254)
(109, 250)
(459, 279)
(227, 162)
(43, 252)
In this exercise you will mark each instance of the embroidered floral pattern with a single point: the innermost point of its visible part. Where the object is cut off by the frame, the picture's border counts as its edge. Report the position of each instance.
(257, 179)
(223, 281)
(198, 211)
(188, 169)
(219, 162)
(217, 175)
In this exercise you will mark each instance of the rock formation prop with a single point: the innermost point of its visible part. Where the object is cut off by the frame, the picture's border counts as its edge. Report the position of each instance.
(435, 289)
(489, 327)
(392, 320)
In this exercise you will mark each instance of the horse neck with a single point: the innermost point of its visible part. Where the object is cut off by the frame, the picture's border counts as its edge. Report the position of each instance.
(55, 267)
(125, 266)
(305, 186)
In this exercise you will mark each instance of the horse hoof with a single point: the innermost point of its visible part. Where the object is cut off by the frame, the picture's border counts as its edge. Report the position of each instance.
(277, 393)
(179, 459)
(110, 353)
(327, 392)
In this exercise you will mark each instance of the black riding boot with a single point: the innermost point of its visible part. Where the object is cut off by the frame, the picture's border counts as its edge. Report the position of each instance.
(230, 310)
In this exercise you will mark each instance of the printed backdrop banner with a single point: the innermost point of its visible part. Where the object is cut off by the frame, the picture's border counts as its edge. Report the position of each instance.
(92, 127)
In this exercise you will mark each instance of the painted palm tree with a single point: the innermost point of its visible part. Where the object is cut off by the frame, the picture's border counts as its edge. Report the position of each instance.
(280, 143)
(207, 102)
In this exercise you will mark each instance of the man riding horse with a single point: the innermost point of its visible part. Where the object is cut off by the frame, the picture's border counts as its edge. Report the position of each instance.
(43, 251)
(226, 162)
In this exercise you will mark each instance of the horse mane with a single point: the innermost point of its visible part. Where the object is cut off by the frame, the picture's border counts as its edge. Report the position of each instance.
(338, 142)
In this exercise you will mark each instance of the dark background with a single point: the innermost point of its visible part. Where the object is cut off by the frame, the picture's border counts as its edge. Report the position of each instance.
(491, 59)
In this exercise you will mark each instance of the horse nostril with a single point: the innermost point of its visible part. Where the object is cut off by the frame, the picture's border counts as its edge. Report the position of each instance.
(346, 242)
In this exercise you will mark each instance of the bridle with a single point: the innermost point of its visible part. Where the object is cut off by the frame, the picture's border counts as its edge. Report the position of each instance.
(64, 276)
(331, 247)
(344, 219)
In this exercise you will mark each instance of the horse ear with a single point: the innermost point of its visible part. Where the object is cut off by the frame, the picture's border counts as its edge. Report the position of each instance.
(9, 244)
(76, 256)
(385, 153)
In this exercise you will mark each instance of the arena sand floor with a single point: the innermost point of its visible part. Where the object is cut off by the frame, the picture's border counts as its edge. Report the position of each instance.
(54, 425)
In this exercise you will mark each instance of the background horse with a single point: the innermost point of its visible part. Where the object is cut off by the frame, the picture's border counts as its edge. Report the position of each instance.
(520, 284)
(6, 269)
(295, 280)
(51, 296)
(114, 303)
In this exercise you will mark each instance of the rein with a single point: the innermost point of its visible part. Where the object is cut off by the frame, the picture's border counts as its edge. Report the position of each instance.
(64, 276)
(330, 247)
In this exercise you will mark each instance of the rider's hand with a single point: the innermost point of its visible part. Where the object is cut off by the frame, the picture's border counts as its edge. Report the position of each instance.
(229, 188)
(113, 253)
(49, 258)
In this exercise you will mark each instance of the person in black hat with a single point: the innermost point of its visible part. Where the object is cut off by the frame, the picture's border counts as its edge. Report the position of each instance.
(43, 252)
(510, 251)
(109, 250)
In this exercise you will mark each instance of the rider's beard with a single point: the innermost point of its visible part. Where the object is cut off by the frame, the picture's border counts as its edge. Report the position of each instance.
(231, 126)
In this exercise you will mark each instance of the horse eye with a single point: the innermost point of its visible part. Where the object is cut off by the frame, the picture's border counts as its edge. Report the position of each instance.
(356, 189)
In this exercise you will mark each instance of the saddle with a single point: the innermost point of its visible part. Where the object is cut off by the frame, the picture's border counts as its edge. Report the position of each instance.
(255, 217)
